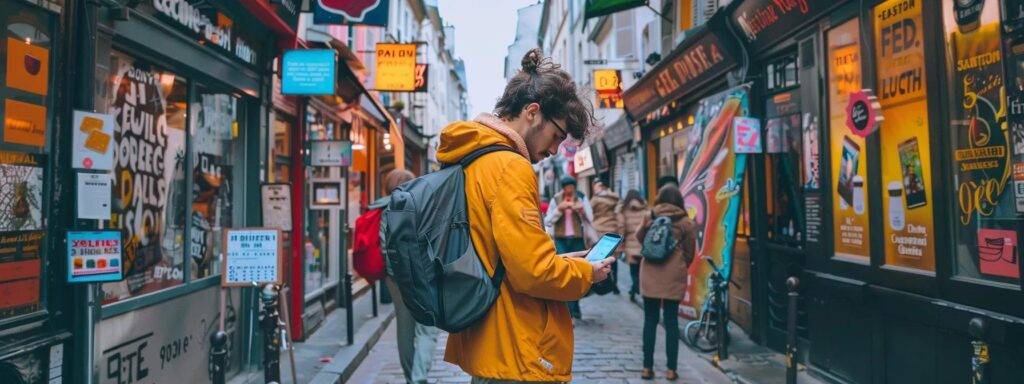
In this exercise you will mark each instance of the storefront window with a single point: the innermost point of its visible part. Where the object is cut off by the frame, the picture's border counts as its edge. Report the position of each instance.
(905, 144)
(317, 241)
(784, 162)
(149, 105)
(987, 220)
(849, 153)
(280, 149)
(26, 108)
(216, 148)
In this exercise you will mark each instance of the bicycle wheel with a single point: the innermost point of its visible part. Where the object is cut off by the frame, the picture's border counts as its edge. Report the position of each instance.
(700, 336)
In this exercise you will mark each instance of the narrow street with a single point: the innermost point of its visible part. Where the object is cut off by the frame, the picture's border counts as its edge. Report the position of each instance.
(608, 350)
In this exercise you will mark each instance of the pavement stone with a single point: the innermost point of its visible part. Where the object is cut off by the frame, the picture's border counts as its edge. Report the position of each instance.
(608, 350)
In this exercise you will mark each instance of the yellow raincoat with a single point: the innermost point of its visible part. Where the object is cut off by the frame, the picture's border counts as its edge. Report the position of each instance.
(527, 335)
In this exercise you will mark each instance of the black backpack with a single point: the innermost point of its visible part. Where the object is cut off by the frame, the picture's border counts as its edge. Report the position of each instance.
(659, 243)
(428, 251)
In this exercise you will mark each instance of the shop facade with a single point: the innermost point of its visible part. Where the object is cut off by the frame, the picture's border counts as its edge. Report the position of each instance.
(903, 231)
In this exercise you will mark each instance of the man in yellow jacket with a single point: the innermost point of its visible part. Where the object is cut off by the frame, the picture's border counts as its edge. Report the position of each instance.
(527, 335)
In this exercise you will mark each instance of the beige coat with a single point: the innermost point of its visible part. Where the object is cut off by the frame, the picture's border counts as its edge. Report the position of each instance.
(633, 216)
(606, 219)
(667, 279)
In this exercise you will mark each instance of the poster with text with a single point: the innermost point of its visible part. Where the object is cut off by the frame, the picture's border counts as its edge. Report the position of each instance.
(848, 151)
(149, 176)
(21, 191)
(710, 180)
(905, 143)
(20, 273)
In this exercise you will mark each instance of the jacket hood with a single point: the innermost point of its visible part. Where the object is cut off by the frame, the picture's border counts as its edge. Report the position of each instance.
(461, 138)
(672, 211)
(637, 205)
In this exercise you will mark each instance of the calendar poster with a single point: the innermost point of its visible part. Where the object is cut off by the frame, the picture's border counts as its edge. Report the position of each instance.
(252, 255)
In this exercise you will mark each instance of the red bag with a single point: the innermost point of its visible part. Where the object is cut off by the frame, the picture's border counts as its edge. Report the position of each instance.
(367, 259)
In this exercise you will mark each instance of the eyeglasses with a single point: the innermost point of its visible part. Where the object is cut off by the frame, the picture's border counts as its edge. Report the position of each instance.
(560, 129)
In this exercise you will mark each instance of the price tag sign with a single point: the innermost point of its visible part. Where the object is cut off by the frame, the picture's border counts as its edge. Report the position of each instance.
(94, 256)
(252, 255)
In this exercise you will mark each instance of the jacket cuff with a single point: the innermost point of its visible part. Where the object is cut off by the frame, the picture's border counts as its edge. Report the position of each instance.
(587, 272)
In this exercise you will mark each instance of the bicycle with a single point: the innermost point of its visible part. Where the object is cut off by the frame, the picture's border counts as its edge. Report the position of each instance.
(709, 332)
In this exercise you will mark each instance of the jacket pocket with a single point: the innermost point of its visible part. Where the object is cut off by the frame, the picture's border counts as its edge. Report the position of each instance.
(555, 344)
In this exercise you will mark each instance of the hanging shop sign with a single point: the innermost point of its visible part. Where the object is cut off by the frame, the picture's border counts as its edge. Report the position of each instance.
(252, 255)
(863, 113)
(364, 12)
(276, 199)
(968, 14)
(94, 256)
(308, 72)
(765, 22)
(746, 135)
(420, 80)
(325, 194)
(711, 175)
(850, 208)
(608, 84)
(94, 196)
(93, 141)
(330, 153)
(207, 25)
(583, 160)
(597, 8)
(697, 60)
(396, 67)
(905, 140)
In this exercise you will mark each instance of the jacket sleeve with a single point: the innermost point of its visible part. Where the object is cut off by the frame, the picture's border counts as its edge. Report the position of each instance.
(689, 243)
(531, 265)
(641, 232)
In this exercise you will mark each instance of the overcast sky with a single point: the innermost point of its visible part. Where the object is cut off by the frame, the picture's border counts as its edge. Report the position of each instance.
(483, 31)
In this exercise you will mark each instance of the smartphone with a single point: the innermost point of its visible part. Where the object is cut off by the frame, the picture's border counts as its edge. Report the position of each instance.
(604, 247)
(848, 169)
(913, 176)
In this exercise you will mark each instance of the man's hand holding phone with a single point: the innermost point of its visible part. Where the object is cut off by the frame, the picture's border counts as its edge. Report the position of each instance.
(602, 268)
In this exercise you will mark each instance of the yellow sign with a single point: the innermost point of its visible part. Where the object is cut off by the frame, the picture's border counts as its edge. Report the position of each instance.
(606, 80)
(849, 153)
(396, 67)
(906, 149)
(28, 66)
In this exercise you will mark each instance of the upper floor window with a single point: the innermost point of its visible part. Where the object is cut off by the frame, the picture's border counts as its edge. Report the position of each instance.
(624, 35)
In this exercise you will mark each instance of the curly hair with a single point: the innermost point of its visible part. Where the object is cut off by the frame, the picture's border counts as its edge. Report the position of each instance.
(543, 82)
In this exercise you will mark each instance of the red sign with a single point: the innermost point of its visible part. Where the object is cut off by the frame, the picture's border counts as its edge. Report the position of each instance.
(863, 113)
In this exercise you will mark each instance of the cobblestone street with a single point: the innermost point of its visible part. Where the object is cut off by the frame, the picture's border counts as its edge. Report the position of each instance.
(608, 350)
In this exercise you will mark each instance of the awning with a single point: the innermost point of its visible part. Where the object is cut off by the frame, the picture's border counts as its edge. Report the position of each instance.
(618, 133)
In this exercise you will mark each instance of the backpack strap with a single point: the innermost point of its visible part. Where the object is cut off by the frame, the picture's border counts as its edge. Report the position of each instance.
(478, 153)
(499, 274)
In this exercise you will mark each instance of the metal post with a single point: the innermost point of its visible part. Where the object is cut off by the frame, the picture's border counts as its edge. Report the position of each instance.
(349, 320)
(219, 354)
(373, 297)
(793, 284)
(979, 358)
(271, 339)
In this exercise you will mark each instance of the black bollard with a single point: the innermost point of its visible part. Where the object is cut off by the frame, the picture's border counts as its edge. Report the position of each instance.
(373, 298)
(269, 318)
(349, 320)
(218, 353)
(793, 284)
(979, 358)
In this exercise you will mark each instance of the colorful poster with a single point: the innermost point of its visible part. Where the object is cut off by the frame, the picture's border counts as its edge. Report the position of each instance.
(148, 202)
(28, 66)
(21, 191)
(849, 153)
(20, 269)
(905, 141)
(997, 252)
(93, 141)
(24, 123)
(94, 256)
(811, 153)
(746, 135)
(710, 179)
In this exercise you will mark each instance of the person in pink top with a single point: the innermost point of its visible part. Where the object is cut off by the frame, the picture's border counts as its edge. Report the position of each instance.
(569, 213)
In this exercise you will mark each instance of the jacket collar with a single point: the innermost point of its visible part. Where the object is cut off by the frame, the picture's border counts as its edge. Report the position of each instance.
(499, 126)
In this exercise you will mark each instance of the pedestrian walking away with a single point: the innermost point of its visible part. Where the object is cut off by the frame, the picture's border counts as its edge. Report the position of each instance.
(567, 217)
(663, 282)
(527, 334)
(633, 210)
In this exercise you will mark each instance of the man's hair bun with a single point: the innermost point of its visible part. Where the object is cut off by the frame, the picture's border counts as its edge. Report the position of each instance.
(531, 60)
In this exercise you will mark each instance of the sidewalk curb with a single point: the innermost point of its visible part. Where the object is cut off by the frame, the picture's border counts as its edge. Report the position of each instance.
(345, 362)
